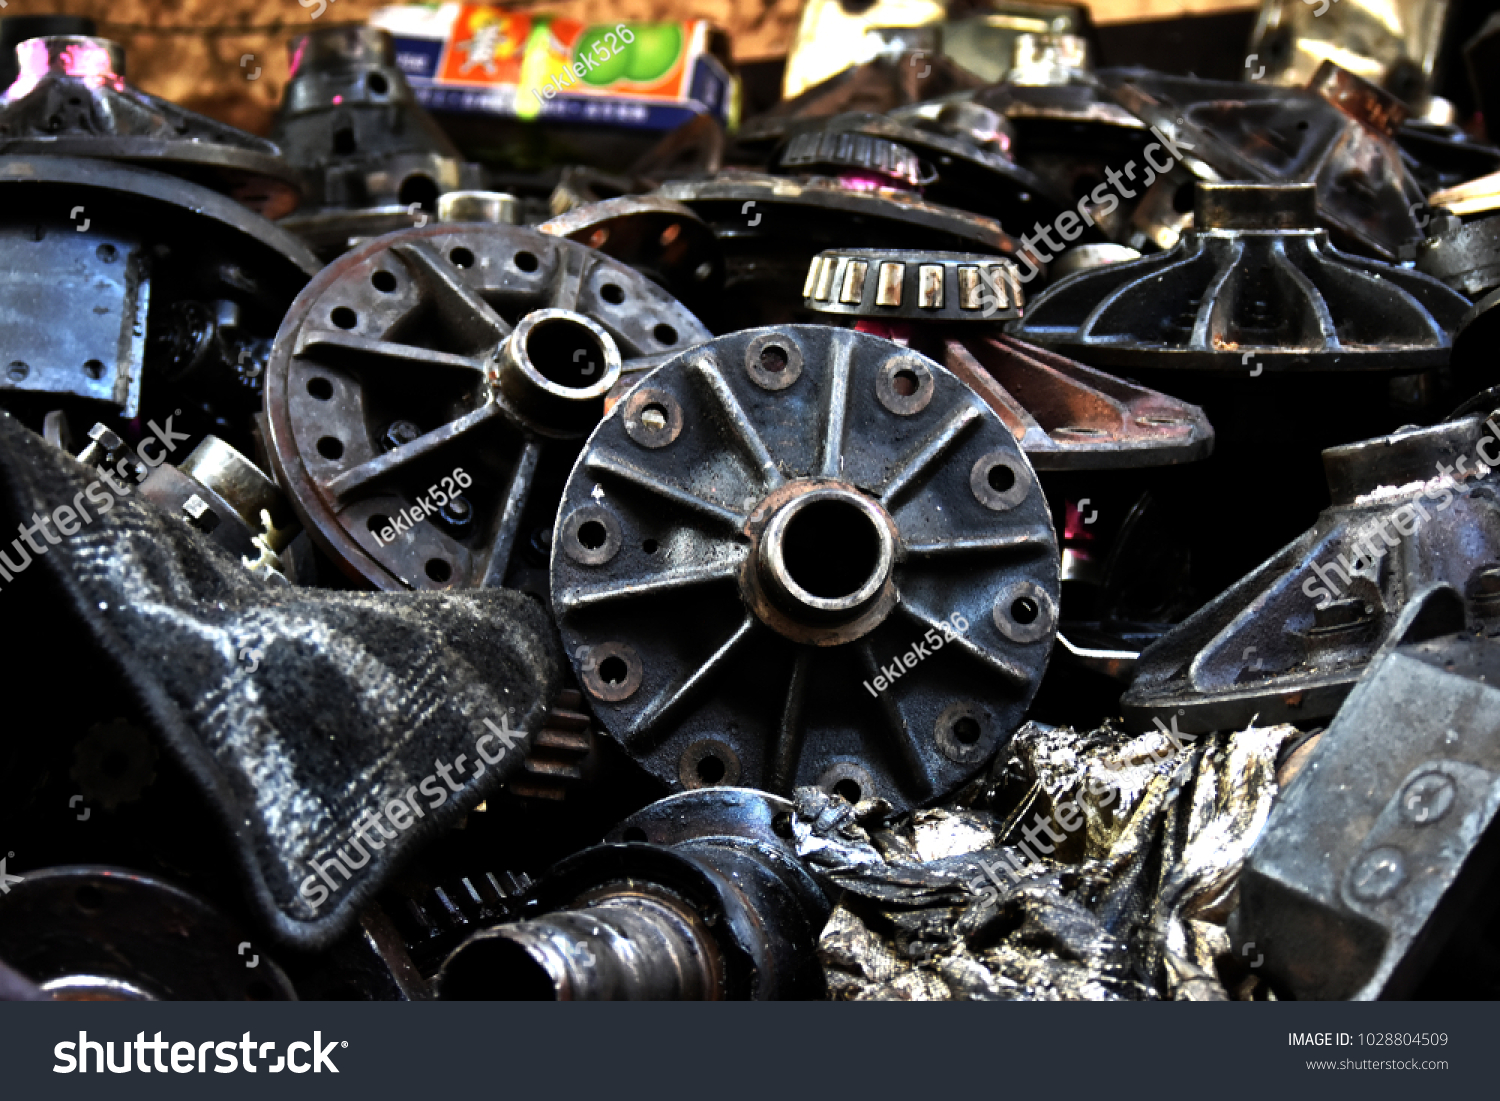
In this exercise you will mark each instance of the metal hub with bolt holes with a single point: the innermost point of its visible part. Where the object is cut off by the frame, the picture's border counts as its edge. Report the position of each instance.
(484, 349)
(661, 239)
(802, 555)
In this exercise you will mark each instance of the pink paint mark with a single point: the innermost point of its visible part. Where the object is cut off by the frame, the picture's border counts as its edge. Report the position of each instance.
(31, 55)
(895, 329)
(1073, 529)
(338, 99)
(90, 64)
(870, 183)
(297, 57)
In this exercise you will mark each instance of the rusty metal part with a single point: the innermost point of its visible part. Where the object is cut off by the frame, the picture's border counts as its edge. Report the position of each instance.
(913, 285)
(700, 896)
(831, 36)
(225, 496)
(1288, 642)
(70, 99)
(801, 504)
(556, 758)
(514, 337)
(771, 227)
(374, 160)
(96, 255)
(494, 207)
(1338, 133)
(1464, 256)
(662, 239)
(1066, 416)
(99, 934)
(820, 151)
(1385, 844)
(1394, 43)
(1255, 286)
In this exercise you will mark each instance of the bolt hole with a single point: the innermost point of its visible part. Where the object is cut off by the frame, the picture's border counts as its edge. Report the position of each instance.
(94, 369)
(439, 570)
(343, 141)
(1024, 610)
(665, 334)
(1001, 478)
(966, 730)
(115, 763)
(344, 317)
(377, 83)
(331, 447)
(654, 417)
(17, 371)
(848, 789)
(633, 833)
(377, 523)
(649, 546)
(320, 388)
(527, 261)
(107, 253)
(710, 769)
(418, 189)
(383, 281)
(462, 258)
(773, 359)
(612, 294)
(905, 382)
(90, 899)
(781, 825)
(592, 534)
(613, 670)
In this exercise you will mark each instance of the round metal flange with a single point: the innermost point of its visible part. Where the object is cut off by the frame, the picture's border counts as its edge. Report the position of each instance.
(1255, 287)
(824, 151)
(70, 99)
(88, 933)
(454, 366)
(911, 284)
(807, 573)
(660, 238)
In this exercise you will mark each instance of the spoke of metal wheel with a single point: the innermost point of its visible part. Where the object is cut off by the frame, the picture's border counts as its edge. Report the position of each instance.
(987, 544)
(568, 282)
(913, 774)
(626, 589)
(457, 303)
(840, 364)
(1006, 669)
(355, 479)
(910, 470)
(347, 350)
(509, 521)
(610, 465)
(787, 751)
(733, 418)
(655, 721)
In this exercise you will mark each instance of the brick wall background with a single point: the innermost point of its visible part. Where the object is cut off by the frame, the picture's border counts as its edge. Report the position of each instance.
(191, 51)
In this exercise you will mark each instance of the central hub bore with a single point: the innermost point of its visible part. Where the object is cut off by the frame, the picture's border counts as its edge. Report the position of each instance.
(555, 369)
(826, 556)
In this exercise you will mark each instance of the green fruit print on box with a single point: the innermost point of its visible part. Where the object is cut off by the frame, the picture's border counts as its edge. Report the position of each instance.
(654, 52)
(603, 48)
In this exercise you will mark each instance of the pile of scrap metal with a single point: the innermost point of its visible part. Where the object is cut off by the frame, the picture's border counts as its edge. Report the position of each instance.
(835, 557)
